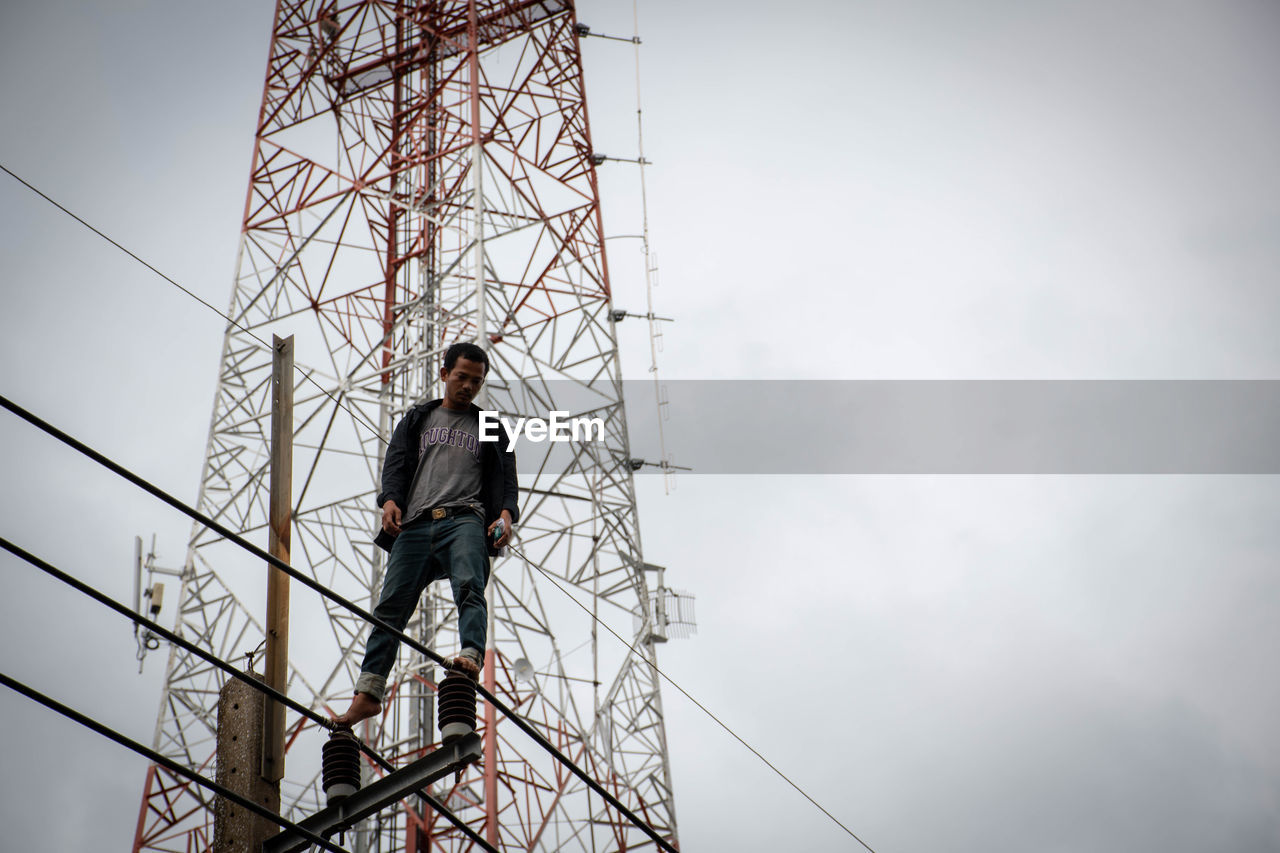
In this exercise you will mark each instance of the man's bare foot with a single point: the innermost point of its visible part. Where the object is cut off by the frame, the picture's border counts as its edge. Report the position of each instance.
(467, 665)
(363, 706)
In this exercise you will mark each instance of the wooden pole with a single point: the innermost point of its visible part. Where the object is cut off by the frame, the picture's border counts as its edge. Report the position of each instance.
(280, 514)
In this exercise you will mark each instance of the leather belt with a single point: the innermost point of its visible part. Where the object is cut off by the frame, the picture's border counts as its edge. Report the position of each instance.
(448, 512)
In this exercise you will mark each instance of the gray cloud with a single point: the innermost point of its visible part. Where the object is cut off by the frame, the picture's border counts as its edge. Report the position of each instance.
(840, 191)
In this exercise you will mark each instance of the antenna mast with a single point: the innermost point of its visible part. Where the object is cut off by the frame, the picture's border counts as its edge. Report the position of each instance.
(423, 174)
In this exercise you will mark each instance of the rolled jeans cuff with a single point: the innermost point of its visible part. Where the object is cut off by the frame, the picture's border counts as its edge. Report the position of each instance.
(373, 684)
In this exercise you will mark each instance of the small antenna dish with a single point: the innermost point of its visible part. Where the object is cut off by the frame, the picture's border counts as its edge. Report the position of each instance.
(524, 670)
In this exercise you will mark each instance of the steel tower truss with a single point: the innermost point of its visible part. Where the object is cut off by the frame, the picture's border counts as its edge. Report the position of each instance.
(423, 174)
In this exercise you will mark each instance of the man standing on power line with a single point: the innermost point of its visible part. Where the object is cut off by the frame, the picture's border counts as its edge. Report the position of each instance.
(448, 504)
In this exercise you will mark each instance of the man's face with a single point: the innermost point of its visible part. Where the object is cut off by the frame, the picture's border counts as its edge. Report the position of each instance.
(462, 383)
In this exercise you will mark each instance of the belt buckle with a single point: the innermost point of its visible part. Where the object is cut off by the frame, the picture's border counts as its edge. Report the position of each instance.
(438, 513)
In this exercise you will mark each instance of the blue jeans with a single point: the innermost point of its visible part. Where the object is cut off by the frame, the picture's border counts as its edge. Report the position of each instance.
(447, 547)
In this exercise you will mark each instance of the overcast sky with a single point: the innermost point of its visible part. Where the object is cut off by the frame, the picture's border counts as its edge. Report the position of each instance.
(906, 190)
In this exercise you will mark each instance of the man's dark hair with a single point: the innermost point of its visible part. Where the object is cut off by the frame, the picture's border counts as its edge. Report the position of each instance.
(470, 352)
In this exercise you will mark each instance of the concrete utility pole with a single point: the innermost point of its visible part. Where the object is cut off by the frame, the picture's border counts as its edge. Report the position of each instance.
(277, 659)
(240, 719)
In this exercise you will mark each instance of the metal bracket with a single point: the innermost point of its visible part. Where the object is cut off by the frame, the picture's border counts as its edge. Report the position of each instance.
(382, 793)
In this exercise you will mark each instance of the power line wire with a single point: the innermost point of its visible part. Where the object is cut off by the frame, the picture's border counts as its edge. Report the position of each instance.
(632, 649)
(298, 368)
(193, 295)
(338, 403)
(350, 606)
(209, 523)
(238, 674)
(164, 761)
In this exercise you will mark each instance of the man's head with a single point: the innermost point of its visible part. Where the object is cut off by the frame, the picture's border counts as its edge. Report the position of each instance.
(465, 366)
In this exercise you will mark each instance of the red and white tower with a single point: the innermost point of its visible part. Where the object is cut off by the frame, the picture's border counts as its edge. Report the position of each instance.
(423, 174)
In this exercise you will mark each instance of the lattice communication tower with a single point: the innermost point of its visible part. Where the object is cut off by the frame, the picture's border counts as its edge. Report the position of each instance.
(423, 174)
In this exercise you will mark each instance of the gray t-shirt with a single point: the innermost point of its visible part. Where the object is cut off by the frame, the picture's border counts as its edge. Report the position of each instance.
(448, 464)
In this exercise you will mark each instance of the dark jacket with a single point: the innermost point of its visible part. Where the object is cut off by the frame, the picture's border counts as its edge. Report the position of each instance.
(498, 488)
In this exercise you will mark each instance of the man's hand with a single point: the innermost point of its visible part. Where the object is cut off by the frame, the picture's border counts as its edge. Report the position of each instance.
(391, 518)
(506, 530)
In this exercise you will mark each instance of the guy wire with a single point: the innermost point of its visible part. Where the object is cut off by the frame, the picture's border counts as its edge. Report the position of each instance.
(632, 649)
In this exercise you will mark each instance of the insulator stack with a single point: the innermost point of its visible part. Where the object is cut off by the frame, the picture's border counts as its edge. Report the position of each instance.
(457, 700)
(340, 766)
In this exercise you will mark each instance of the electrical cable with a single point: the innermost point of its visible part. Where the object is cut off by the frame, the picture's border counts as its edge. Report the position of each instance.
(632, 649)
(298, 368)
(238, 674)
(351, 607)
(164, 761)
(348, 605)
